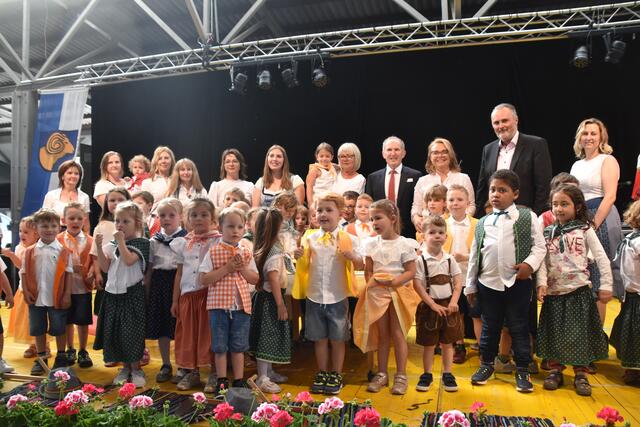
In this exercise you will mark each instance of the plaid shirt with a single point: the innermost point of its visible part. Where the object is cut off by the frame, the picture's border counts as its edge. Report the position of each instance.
(221, 293)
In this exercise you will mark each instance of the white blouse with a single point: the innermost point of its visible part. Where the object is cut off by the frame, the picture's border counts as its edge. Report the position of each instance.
(185, 195)
(342, 184)
(122, 276)
(389, 256)
(157, 186)
(190, 258)
(52, 201)
(161, 257)
(275, 263)
(219, 188)
(427, 181)
(103, 186)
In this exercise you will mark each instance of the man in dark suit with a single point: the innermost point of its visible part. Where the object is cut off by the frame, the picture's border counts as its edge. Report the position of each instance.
(395, 182)
(527, 155)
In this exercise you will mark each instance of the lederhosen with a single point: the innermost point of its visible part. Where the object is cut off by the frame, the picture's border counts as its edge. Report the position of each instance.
(432, 328)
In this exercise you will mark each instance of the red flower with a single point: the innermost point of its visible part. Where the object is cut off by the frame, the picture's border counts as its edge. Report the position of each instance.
(236, 417)
(63, 409)
(92, 389)
(280, 419)
(223, 412)
(609, 415)
(275, 397)
(304, 397)
(127, 390)
(367, 417)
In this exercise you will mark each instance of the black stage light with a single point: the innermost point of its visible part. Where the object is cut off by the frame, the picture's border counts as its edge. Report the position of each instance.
(615, 51)
(238, 83)
(290, 76)
(581, 58)
(264, 80)
(319, 77)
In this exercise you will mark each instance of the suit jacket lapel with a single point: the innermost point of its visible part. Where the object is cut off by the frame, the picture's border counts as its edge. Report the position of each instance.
(492, 161)
(402, 185)
(520, 147)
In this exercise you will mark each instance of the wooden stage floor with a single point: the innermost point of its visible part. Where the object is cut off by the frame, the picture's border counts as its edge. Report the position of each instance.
(499, 395)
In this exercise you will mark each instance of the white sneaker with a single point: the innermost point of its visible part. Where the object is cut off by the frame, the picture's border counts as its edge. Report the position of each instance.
(268, 386)
(122, 377)
(278, 378)
(5, 368)
(137, 377)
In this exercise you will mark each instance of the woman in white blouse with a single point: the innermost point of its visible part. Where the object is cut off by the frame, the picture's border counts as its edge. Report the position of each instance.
(233, 174)
(442, 168)
(162, 165)
(185, 183)
(111, 173)
(276, 178)
(348, 179)
(70, 177)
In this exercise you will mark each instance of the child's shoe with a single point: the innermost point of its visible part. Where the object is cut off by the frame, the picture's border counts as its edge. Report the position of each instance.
(123, 376)
(554, 380)
(523, 381)
(146, 357)
(482, 375)
(30, 352)
(449, 382)
(71, 356)
(212, 381)
(37, 369)
(5, 368)
(460, 354)
(61, 360)
(581, 383)
(189, 381)
(84, 360)
(319, 383)
(268, 386)
(333, 384)
(379, 381)
(180, 373)
(278, 378)
(503, 366)
(165, 374)
(425, 381)
(137, 378)
(399, 384)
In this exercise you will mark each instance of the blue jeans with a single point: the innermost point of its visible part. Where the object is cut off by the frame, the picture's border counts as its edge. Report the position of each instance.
(511, 305)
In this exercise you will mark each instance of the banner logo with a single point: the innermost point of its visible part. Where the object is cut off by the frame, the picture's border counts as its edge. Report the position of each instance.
(58, 145)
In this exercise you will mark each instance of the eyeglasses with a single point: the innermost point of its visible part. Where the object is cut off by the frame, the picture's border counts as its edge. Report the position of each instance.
(440, 153)
(347, 156)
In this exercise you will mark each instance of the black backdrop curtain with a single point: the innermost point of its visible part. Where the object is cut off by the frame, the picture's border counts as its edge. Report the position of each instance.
(416, 96)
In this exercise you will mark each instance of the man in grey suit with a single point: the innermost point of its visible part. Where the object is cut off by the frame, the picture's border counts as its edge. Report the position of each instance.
(527, 155)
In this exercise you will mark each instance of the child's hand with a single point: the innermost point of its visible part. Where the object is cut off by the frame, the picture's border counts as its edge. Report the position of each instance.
(282, 312)
(174, 309)
(98, 238)
(98, 282)
(297, 254)
(453, 308)
(440, 310)
(8, 301)
(460, 257)
(524, 271)
(119, 237)
(6, 252)
(350, 255)
(417, 221)
(542, 292)
(604, 296)
(29, 299)
(237, 262)
(471, 299)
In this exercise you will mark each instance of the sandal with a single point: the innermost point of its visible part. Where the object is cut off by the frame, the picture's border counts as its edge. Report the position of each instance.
(581, 383)
(554, 380)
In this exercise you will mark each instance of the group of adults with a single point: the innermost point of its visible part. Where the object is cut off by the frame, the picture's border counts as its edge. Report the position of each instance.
(527, 155)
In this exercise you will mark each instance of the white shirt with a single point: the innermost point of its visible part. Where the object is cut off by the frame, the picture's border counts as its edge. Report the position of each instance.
(52, 201)
(459, 231)
(387, 176)
(46, 262)
(186, 194)
(427, 181)
(219, 188)
(103, 186)
(505, 153)
(77, 285)
(158, 186)
(274, 263)
(389, 256)
(630, 266)
(190, 260)
(122, 276)
(161, 257)
(437, 266)
(107, 229)
(327, 283)
(498, 252)
(342, 184)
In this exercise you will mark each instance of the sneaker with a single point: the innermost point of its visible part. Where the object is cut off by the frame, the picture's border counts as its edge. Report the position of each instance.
(399, 384)
(189, 381)
(278, 378)
(37, 369)
(370, 375)
(379, 380)
(146, 357)
(221, 384)
(460, 354)
(482, 375)
(333, 384)
(165, 374)
(554, 380)
(425, 381)
(5, 368)
(61, 360)
(268, 386)
(319, 383)
(533, 368)
(581, 383)
(137, 377)
(449, 382)
(475, 346)
(84, 360)
(239, 383)
(180, 373)
(30, 352)
(523, 381)
(212, 380)
(71, 357)
(122, 377)
(504, 367)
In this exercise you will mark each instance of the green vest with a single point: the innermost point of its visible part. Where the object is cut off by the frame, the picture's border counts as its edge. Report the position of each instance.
(521, 233)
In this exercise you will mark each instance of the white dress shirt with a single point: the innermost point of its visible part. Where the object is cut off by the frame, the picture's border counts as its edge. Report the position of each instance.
(46, 262)
(437, 266)
(387, 175)
(505, 153)
(498, 252)
(326, 270)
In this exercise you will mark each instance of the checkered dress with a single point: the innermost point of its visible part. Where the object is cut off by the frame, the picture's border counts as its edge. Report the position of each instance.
(221, 294)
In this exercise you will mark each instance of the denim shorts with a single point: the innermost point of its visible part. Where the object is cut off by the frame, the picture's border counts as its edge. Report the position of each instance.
(229, 331)
(327, 321)
(42, 317)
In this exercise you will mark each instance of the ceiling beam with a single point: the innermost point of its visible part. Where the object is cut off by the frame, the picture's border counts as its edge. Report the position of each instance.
(444, 5)
(411, 10)
(67, 37)
(82, 59)
(246, 33)
(166, 28)
(485, 8)
(9, 71)
(197, 22)
(15, 57)
(242, 21)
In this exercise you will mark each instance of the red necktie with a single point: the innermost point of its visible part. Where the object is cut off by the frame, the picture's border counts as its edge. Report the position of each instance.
(391, 192)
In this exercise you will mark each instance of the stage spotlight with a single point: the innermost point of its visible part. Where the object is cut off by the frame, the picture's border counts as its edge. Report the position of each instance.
(264, 80)
(290, 76)
(581, 58)
(319, 77)
(238, 83)
(615, 52)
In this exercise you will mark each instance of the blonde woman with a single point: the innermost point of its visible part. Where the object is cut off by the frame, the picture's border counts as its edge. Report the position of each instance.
(185, 183)
(162, 165)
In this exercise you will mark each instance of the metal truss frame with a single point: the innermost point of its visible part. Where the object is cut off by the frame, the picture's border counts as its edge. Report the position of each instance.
(541, 25)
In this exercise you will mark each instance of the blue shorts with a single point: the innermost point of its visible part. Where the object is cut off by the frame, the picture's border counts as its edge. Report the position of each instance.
(41, 318)
(229, 331)
(323, 321)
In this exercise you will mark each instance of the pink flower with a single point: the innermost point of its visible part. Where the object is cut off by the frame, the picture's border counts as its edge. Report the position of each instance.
(199, 397)
(236, 417)
(453, 418)
(568, 425)
(275, 397)
(140, 402)
(609, 415)
(223, 412)
(280, 419)
(32, 387)
(15, 399)
(477, 406)
(75, 397)
(91, 389)
(329, 405)
(304, 397)
(64, 409)
(264, 412)
(367, 417)
(62, 376)
(127, 390)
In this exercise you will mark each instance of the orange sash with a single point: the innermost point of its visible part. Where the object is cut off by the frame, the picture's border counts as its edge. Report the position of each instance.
(61, 292)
